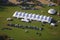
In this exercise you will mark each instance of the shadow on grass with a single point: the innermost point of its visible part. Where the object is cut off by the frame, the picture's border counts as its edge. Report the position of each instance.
(2, 8)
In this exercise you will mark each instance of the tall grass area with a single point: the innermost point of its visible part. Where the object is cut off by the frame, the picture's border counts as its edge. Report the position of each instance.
(19, 34)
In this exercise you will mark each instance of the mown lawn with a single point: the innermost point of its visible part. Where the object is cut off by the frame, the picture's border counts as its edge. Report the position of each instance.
(19, 34)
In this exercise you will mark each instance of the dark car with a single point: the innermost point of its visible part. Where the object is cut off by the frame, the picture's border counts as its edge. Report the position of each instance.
(10, 24)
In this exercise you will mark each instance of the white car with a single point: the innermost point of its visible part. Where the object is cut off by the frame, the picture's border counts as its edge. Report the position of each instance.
(24, 20)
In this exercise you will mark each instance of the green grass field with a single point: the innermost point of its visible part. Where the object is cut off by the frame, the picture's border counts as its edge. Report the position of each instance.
(19, 34)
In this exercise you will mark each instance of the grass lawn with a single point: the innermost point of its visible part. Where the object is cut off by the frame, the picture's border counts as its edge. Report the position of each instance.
(19, 34)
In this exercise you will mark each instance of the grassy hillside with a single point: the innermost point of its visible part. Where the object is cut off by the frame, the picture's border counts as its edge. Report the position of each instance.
(19, 34)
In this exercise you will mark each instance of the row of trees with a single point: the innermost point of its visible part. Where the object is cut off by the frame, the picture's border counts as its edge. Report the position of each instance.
(56, 1)
(2, 2)
(6, 2)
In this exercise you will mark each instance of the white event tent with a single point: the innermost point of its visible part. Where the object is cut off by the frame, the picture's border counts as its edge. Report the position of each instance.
(51, 11)
(26, 16)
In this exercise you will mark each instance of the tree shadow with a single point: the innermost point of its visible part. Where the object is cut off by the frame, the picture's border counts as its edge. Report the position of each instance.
(53, 21)
(3, 37)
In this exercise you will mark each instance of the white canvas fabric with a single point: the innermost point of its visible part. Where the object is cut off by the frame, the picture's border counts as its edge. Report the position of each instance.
(31, 16)
(36, 17)
(43, 20)
(24, 20)
(48, 19)
(51, 11)
(15, 14)
(20, 14)
(25, 15)
(52, 24)
(41, 17)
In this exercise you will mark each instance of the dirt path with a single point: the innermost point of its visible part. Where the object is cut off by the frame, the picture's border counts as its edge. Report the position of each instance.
(13, 1)
(43, 1)
(46, 2)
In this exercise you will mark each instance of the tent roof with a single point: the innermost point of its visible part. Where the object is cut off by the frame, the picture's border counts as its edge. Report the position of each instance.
(52, 11)
(32, 16)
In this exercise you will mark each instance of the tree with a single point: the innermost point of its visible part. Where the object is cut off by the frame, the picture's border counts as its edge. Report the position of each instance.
(3, 36)
(3, 2)
(56, 1)
(0, 2)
